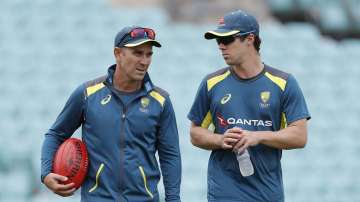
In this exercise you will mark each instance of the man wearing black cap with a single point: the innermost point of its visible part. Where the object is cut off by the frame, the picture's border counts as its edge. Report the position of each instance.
(125, 120)
(246, 113)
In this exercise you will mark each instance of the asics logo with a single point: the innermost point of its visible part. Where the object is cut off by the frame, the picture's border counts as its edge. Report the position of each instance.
(106, 99)
(226, 98)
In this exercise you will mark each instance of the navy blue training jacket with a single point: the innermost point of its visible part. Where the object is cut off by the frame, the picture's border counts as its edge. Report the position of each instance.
(121, 141)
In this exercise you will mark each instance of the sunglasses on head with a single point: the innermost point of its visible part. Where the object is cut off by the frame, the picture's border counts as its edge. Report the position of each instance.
(138, 33)
(142, 33)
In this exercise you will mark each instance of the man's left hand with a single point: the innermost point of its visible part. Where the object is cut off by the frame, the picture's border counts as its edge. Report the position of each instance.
(248, 139)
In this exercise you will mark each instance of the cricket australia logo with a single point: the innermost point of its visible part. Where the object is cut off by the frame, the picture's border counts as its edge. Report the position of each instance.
(265, 96)
(106, 99)
(226, 98)
(144, 102)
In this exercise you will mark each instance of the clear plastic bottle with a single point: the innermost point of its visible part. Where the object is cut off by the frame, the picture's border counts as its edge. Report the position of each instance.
(245, 164)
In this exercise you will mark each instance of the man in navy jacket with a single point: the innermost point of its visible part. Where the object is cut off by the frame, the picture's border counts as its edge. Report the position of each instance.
(125, 120)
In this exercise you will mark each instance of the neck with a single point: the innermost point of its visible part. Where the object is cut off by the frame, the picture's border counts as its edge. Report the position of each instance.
(249, 68)
(124, 84)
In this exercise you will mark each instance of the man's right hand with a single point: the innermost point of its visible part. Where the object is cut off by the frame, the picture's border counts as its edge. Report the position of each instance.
(230, 137)
(54, 183)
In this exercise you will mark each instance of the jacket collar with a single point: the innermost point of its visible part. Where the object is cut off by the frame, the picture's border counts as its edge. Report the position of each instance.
(147, 83)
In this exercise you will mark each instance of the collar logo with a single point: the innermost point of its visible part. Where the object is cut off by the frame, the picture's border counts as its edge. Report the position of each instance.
(106, 99)
(226, 98)
(144, 102)
(265, 96)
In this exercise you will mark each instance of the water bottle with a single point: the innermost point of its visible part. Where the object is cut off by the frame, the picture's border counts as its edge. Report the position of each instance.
(245, 165)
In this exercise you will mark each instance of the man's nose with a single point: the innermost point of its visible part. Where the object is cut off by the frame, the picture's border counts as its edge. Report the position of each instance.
(145, 60)
(221, 46)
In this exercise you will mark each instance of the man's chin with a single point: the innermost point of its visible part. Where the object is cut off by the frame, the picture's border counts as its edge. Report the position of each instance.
(228, 62)
(139, 77)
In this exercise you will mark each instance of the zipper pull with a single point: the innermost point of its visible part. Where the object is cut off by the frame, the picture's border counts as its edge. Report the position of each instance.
(123, 116)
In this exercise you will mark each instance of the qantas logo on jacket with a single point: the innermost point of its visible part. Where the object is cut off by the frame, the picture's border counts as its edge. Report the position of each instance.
(241, 121)
(221, 120)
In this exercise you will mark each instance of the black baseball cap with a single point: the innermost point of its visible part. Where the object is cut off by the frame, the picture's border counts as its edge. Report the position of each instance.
(237, 22)
(126, 38)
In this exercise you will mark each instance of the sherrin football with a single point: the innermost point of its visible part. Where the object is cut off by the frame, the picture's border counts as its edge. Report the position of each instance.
(71, 160)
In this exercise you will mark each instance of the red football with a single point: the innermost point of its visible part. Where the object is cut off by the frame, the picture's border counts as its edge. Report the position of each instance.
(71, 160)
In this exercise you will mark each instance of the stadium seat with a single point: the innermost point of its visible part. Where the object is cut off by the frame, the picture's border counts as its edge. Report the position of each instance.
(281, 6)
(332, 18)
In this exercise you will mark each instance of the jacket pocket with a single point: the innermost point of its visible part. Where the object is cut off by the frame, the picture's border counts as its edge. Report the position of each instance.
(142, 172)
(98, 173)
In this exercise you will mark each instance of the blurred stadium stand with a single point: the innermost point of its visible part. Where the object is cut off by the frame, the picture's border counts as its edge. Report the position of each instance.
(47, 48)
(191, 10)
(336, 18)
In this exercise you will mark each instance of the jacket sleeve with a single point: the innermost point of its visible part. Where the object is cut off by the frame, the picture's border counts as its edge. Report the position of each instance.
(65, 125)
(200, 107)
(293, 102)
(169, 153)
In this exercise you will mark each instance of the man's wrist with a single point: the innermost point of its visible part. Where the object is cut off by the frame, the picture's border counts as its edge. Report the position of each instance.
(219, 140)
(264, 136)
(43, 176)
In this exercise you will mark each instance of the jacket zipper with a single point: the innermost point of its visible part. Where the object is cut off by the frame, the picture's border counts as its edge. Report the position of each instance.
(122, 141)
(122, 147)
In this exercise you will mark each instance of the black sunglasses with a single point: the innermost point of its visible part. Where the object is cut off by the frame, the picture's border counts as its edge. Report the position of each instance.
(225, 40)
(229, 39)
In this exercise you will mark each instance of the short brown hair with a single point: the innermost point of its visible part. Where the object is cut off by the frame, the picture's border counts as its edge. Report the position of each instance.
(257, 41)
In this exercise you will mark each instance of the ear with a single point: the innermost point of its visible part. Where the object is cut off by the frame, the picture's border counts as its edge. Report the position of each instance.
(251, 38)
(117, 51)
